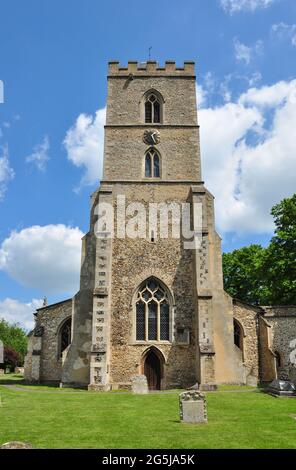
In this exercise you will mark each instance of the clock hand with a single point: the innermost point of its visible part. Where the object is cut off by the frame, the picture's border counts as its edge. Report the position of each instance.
(152, 135)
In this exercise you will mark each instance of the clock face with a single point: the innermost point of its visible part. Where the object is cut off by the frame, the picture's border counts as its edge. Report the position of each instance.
(151, 137)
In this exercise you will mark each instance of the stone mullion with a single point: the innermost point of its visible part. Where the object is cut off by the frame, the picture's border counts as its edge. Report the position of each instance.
(146, 322)
(158, 321)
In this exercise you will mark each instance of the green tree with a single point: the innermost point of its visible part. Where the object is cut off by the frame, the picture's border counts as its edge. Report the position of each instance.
(243, 277)
(266, 275)
(280, 256)
(13, 336)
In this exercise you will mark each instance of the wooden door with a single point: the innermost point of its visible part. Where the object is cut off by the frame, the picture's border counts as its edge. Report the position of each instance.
(152, 371)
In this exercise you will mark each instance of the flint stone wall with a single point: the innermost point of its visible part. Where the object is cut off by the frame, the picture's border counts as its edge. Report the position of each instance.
(247, 316)
(133, 261)
(282, 339)
(46, 346)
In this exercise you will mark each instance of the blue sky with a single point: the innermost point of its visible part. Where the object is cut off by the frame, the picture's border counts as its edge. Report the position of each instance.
(53, 64)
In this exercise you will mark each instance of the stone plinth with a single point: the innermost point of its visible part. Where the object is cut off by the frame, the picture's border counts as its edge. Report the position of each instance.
(139, 384)
(193, 407)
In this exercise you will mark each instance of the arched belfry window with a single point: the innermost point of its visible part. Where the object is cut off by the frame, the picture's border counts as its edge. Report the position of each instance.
(65, 336)
(238, 334)
(152, 164)
(152, 312)
(153, 111)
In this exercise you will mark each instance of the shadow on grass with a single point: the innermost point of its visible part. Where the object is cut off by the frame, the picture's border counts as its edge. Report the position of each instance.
(11, 379)
(17, 379)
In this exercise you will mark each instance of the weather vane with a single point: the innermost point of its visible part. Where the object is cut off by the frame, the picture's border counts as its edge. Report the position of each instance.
(149, 52)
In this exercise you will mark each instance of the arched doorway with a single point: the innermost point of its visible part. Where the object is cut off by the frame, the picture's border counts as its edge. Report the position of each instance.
(152, 368)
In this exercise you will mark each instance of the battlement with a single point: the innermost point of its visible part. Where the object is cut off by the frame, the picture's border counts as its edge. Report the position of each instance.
(151, 68)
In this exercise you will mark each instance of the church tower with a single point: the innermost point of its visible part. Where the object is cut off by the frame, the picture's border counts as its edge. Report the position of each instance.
(149, 304)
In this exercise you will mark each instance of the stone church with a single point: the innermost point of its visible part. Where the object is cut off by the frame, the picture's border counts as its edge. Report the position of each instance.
(147, 304)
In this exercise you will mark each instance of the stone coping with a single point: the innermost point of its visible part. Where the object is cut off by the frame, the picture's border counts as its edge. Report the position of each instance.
(151, 67)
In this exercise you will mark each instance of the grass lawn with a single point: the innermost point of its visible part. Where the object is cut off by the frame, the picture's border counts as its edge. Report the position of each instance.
(55, 418)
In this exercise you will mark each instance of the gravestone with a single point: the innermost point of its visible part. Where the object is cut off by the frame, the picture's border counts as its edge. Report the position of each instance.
(193, 408)
(139, 384)
(281, 388)
(16, 445)
(252, 381)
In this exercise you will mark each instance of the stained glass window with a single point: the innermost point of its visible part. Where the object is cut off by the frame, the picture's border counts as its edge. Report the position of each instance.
(152, 321)
(152, 312)
(164, 322)
(140, 320)
(159, 294)
(152, 285)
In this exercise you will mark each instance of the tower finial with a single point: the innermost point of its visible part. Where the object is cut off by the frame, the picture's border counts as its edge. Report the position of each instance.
(149, 52)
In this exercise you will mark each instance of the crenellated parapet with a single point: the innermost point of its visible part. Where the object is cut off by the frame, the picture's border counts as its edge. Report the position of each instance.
(151, 68)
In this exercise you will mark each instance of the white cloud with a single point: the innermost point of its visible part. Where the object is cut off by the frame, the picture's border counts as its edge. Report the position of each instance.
(285, 31)
(84, 143)
(46, 258)
(242, 52)
(1, 92)
(249, 156)
(212, 89)
(269, 96)
(6, 172)
(210, 82)
(14, 311)
(234, 6)
(254, 78)
(245, 53)
(201, 96)
(39, 156)
(225, 90)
